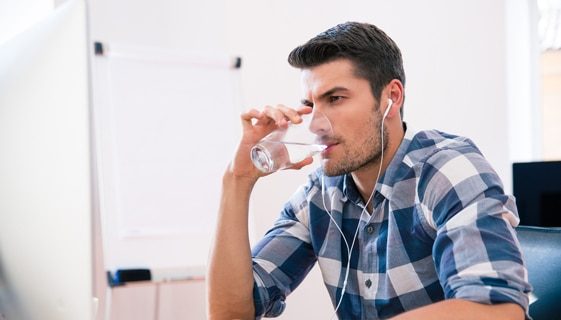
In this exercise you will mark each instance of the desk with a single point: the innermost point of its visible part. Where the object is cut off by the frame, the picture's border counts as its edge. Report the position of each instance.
(173, 300)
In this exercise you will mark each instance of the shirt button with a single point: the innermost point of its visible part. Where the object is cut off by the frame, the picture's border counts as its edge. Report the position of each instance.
(368, 283)
(370, 229)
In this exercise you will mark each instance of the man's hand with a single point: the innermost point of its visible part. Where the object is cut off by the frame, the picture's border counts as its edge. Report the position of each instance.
(256, 125)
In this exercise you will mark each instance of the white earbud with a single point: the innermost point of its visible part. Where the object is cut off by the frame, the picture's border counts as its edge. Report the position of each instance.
(388, 108)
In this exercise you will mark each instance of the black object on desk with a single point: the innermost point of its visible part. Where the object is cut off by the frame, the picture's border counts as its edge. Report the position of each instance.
(128, 275)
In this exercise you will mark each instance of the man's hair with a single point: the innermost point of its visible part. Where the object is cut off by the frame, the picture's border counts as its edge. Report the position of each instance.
(376, 57)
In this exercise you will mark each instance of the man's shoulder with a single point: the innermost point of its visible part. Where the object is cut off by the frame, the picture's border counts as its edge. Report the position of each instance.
(428, 146)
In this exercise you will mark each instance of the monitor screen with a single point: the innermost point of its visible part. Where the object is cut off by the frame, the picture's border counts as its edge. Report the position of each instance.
(45, 170)
(537, 188)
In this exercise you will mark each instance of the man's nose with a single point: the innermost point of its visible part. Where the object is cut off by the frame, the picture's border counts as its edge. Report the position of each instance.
(320, 124)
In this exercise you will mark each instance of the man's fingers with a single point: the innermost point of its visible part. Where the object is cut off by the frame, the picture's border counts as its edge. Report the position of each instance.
(290, 114)
(304, 110)
(250, 114)
(254, 117)
(276, 114)
(279, 115)
(301, 164)
(282, 114)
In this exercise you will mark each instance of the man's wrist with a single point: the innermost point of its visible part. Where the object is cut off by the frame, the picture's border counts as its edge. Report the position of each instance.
(239, 181)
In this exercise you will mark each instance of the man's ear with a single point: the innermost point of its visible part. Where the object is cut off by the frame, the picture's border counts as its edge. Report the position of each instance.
(395, 94)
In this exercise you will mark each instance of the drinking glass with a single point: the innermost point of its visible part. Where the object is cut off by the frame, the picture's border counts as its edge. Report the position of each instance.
(285, 147)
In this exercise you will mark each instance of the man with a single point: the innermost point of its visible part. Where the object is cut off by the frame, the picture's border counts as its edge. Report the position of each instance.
(404, 224)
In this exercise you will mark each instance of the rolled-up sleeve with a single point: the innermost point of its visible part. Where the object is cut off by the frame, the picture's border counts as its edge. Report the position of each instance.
(283, 258)
(476, 252)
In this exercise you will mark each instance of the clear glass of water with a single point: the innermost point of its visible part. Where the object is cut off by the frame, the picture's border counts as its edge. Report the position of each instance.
(285, 147)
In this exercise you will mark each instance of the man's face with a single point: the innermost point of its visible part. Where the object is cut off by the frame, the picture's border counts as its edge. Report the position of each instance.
(334, 90)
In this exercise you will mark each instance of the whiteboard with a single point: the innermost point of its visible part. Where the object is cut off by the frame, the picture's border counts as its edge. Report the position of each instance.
(166, 126)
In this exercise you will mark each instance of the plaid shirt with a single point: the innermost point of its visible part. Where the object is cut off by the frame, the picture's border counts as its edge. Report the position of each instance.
(442, 228)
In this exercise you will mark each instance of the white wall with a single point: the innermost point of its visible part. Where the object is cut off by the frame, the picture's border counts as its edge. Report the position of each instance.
(192, 25)
(455, 55)
(19, 15)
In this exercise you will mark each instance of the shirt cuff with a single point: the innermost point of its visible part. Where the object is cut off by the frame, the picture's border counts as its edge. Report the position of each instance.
(267, 299)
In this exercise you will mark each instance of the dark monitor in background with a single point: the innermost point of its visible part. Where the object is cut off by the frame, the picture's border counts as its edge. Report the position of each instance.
(537, 188)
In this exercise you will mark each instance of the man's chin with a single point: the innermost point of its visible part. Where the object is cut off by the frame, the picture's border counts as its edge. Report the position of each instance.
(330, 170)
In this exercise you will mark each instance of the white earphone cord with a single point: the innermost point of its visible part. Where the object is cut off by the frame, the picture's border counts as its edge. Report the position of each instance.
(349, 250)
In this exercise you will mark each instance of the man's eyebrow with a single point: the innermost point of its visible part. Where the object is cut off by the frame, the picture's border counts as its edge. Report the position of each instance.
(324, 95)
(332, 91)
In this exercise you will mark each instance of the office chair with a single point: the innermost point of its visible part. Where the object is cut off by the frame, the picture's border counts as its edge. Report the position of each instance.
(542, 252)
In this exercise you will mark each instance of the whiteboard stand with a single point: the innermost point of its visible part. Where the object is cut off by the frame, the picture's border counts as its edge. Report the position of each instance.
(166, 123)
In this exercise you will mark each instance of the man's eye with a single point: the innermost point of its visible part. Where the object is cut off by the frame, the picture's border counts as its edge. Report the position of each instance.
(333, 99)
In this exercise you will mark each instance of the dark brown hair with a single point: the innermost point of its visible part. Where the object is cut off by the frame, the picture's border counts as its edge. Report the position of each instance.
(376, 56)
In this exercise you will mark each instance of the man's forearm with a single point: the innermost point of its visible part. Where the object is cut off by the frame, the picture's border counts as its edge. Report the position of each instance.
(230, 275)
(457, 309)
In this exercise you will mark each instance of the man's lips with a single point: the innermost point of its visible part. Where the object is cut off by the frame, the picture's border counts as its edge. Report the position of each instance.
(329, 148)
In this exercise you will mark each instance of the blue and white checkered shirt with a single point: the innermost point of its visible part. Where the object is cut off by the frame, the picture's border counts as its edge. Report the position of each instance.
(442, 228)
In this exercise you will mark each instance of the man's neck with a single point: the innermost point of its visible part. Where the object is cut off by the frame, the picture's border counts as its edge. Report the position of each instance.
(364, 178)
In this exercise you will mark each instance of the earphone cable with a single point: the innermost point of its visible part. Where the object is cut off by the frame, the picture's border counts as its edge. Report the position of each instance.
(365, 209)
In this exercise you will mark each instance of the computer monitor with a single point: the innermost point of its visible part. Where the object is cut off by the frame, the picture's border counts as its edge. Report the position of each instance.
(537, 188)
(45, 170)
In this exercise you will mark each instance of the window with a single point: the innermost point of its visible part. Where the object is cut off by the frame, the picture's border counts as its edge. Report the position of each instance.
(549, 33)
